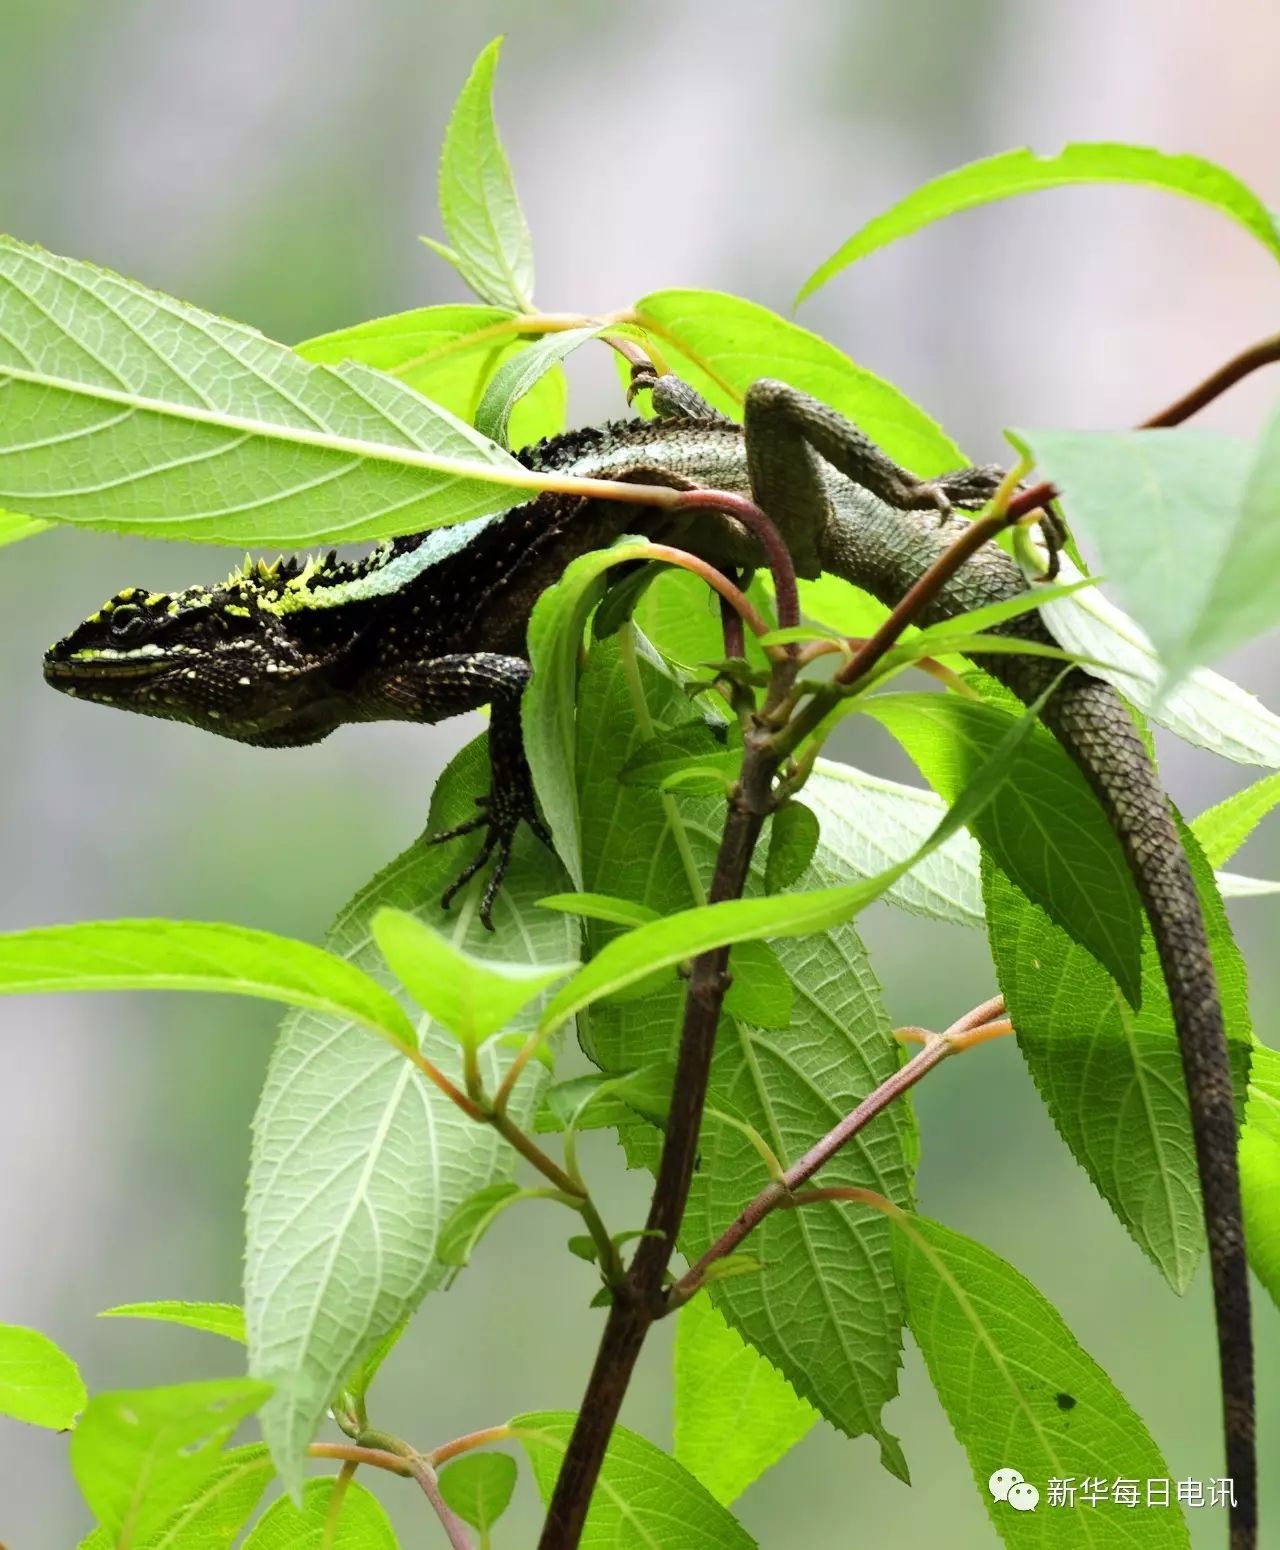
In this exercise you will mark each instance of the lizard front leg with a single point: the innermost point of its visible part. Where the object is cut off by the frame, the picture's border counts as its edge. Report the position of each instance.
(439, 687)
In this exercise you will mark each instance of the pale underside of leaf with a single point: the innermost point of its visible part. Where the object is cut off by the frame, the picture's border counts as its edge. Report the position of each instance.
(358, 1162)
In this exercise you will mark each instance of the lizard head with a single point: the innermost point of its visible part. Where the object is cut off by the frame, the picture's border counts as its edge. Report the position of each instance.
(218, 658)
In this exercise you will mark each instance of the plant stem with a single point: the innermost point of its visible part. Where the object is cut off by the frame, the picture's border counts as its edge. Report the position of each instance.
(762, 529)
(782, 1191)
(715, 579)
(357, 1453)
(339, 1494)
(533, 1153)
(419, 1467)
(638, 1300)
(481, 1439)
(1265, 353)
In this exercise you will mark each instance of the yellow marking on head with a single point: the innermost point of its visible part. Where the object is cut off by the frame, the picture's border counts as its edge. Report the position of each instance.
(153, 598)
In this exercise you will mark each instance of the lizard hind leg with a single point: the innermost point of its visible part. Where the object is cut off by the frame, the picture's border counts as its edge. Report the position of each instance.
(790, 435)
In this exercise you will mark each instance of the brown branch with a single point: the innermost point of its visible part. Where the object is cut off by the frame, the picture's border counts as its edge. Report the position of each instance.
(1265, 353)
(781, 1192)
(639, 1300)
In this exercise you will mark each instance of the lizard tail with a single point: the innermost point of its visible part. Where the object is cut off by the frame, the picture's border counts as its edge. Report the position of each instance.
(884, 551)
(1094, 726)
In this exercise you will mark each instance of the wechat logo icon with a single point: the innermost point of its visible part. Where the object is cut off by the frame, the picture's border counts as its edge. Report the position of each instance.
(1007, 1485)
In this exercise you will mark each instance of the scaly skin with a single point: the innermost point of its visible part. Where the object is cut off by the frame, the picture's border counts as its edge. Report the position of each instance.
(1092, 723)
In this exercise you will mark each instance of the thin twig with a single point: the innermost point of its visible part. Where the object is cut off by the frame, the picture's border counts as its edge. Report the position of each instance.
(452, 1524)
(482, 1439)
(355, 1453)
(1265, 353)
(419, 1468)
(735, 643)
(716, 579)
(762, 529)
(926, 587)
(781, 1191)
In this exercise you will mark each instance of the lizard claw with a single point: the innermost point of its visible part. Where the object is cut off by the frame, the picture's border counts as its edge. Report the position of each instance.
(499, 820)
(643, 376)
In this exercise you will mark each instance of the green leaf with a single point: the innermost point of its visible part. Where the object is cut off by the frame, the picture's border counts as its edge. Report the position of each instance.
(680, 615)
(760, 990)
(478, 1487)
(647, 1091)
(793, 837)
(1024, 172)
(735, 1414)
(1044, 826)
(1021, 1393)
(13, 528)
(693, 745)
(1222, 829)
(599, 906)
(1204, 708)
(520, 374)
(824, 1306)
(475, 1216)
(217, 1318)
(548, 708)
(667, 942)
(356, 1386)
(721, 344)
(39, 1383)
(362, 1523)
(844, 608)
(450, 354)
(216, 1512)
(1260, 1167)
(470, 996)
(196, 955)
(344, 1218)
(1111, 1077)
(214, 1516)
(1168, 514)
(643, 1498)
(491, 250)
(140, 1455)
(212, 433)
(870, 824)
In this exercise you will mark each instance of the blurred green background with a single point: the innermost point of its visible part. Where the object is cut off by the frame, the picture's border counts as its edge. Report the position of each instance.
(274, 160)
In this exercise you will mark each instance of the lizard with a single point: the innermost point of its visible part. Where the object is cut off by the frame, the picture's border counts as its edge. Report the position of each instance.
(430, 625)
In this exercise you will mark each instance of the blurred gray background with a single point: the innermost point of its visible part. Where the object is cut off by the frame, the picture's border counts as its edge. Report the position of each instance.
(274, 160)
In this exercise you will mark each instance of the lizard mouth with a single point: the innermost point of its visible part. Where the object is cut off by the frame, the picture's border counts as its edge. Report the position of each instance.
(69, 672)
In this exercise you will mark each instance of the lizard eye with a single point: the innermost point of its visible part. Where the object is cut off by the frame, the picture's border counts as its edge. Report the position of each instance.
(127, 624)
